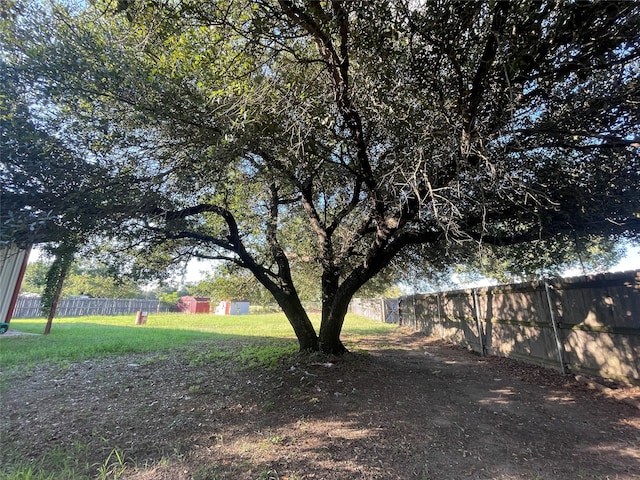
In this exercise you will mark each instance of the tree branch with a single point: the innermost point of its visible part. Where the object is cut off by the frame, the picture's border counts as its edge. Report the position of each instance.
(479, 80)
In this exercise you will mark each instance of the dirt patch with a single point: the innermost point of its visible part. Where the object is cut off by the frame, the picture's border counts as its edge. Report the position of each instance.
(402, 406)
(15, 333)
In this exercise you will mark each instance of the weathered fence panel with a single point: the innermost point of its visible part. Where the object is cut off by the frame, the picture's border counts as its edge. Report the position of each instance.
(459, 319)
(600, 322)
(391, 310)
(517, 322)
(380, 309)
(587, 324)
(372, 308)
(29, 307)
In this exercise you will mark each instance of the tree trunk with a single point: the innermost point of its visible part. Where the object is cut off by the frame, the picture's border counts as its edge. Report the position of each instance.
(287, 298)
(54, 305)
(56, 296)
(55, 280)
(331, 326)
(299, 320)
(330, 342)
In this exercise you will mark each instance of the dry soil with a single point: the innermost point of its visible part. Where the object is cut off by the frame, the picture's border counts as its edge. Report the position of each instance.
(398, 407)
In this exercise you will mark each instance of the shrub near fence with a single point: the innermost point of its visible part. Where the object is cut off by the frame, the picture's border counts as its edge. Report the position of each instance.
(586, 324)
(29, 307)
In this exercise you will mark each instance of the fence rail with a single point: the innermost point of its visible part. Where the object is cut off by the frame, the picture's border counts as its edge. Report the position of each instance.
(29, 307)
(587, 324)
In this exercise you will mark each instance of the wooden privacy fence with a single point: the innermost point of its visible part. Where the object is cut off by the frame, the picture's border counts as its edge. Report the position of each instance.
(29, 307)
(585, 324)
(381, 309)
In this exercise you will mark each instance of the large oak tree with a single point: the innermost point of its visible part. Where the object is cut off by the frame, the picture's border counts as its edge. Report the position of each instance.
(336, 135)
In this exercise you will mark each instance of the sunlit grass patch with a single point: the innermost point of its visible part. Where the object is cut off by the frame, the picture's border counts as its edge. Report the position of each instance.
(82, 338)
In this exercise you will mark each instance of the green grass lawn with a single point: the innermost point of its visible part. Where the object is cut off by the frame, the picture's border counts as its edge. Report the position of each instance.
(251, 340)
(82, 338)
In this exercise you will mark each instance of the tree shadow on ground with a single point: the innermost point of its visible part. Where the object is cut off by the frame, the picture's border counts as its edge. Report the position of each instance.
(404, 406)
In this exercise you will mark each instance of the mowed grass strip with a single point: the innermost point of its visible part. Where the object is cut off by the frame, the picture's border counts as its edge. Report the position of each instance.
(84, 338)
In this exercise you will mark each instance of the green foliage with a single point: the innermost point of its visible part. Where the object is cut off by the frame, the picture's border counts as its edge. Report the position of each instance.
(100, 286)
(266, 356)
(199, 358)
(55, 277)
(81, 279)
(540, 259)
(170, 299)
(59, 463)
(464, 264)
(229, 282)
(114, 466)
(384, 284)
(95, 279)
(232, 284)
(35, 277)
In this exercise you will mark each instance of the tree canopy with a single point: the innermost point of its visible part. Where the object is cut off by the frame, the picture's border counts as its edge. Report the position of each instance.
(332, 137)
(85, 278)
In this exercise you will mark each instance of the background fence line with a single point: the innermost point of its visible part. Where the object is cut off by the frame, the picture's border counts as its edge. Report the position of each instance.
(588, 324)
(29, 307)
(381, 309)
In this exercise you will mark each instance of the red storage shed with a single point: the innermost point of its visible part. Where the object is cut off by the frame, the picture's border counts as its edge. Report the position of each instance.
(194, 304)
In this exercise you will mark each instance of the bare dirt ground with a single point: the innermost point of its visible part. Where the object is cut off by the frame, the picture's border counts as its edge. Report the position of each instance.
(400, 407)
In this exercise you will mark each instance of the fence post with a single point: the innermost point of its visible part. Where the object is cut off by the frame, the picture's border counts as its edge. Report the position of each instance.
(440, 316)
(556, 330)
(478, 321)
